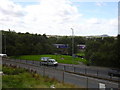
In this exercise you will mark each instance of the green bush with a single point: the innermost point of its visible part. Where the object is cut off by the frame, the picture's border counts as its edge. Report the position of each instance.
(12, 71)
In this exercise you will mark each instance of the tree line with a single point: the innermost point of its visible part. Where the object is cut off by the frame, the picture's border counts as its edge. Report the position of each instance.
(35, 44)
(25, 44)
(103, 51)
(99, 51)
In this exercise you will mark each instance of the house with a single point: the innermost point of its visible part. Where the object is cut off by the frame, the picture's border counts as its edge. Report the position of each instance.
(61, 45)
(62, 48)
(81, 47)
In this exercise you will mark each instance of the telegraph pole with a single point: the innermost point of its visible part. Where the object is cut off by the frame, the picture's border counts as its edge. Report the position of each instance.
(4, 43)
(72, 44)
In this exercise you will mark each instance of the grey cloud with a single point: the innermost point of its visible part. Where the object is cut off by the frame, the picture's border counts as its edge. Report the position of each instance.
(12, 13)
(5, 19)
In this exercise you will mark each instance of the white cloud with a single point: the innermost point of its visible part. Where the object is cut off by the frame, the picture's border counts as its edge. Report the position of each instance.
(95, 0)
(93, 21)
(9, 8)
(95, 26)
(100, 4)
(11, 14)
(51, 16)
(54, 17)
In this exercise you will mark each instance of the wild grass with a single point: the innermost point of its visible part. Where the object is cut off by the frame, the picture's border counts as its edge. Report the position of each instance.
(24, 79)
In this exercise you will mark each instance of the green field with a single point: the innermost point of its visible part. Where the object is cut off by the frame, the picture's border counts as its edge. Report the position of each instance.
(20, 78)
(81, 53)
(59, 58)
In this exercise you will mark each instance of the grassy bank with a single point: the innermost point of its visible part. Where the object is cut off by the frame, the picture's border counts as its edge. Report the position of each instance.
(59, 58)
(20, 78)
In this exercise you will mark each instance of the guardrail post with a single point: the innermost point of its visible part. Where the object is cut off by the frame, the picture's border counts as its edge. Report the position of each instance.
(43, 71)
(26, 61)
(111, 77)
(87, 83)
(97, 72)
(85, 71)
(39, 63)
(118, 83)
(63, 77)
(74, 69)
(64, 68)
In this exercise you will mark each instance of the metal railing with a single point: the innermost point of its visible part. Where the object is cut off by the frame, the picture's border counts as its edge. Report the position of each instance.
(94, 72)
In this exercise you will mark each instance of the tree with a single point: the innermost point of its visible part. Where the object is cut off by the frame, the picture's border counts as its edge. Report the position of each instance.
(103, 52)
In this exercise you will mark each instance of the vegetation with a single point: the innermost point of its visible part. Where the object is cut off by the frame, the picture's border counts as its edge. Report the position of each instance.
(100, 51)
(26, 44)
(103, 52)
(12, 71)
(59, 58)
(24, 79)
(35, 44)
(81, 53)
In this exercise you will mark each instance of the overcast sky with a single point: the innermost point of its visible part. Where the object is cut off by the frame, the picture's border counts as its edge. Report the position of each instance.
(57, 17)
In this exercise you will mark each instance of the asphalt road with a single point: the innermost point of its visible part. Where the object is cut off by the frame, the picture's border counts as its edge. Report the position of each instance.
(89, 70)
(81, 81)
(81, 69)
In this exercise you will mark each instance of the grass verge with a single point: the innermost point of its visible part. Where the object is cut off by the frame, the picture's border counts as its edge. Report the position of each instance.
(25, 79)
(59, 58)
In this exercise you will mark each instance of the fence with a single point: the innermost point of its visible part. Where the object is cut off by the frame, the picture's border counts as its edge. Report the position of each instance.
(95, 72)
(62, 75)
(101, 73)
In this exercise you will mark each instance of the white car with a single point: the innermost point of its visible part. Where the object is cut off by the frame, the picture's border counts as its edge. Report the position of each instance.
(51, 62)
(45, 58)
(3, 55)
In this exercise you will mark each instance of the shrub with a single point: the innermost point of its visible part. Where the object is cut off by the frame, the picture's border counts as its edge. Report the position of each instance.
(12, 71)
